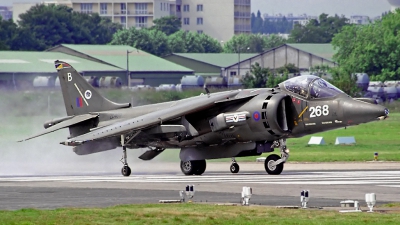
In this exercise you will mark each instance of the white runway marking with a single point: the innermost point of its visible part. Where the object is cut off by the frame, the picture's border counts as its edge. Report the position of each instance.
(380, 178)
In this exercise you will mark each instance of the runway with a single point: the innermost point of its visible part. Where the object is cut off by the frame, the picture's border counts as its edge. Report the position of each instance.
(328, 183)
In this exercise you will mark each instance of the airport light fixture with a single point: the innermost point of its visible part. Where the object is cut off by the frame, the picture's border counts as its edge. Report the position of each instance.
(246, 195)
(240, 48)
(190, 191)
(128, 78)
(304, 197)
(370, 198)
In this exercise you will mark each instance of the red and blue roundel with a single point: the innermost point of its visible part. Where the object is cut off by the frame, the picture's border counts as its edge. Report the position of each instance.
(256, 116)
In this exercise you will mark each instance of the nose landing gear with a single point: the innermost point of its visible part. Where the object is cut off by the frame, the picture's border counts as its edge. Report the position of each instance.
(273, 163)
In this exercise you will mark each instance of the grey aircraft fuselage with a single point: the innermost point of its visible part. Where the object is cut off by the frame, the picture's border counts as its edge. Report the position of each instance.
(217, 125)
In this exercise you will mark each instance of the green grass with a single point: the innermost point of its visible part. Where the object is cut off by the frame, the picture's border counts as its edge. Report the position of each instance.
(381, 136)
(193, 214)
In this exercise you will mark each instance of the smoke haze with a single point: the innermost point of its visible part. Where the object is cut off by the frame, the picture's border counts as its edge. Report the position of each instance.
(45, 156)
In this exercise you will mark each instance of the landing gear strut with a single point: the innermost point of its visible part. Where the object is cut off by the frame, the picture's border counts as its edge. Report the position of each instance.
(273, 163)
(126, 170)
(234, 166)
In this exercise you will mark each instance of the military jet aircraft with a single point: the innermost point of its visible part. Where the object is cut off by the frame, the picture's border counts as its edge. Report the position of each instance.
(226, 124)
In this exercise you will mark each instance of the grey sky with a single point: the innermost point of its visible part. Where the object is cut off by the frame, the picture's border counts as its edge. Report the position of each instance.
(370, 8)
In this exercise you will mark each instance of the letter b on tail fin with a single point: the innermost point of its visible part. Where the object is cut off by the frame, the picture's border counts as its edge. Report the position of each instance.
(79, 96)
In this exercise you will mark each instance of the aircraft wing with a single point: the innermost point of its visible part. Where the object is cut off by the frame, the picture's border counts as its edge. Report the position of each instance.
(179, 109)
(64, 124)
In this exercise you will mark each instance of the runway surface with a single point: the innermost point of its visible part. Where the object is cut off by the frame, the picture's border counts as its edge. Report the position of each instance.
(328, 183)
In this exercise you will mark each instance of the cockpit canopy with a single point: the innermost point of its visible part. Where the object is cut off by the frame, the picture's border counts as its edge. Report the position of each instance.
(313, 86)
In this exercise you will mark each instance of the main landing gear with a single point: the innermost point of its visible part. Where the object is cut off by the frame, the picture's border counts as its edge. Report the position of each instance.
(126, 170)
(194, 167)
(274, 163)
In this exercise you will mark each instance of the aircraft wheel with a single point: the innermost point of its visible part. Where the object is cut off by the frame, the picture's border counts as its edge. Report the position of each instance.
(270, 167)
(126, 171)
(195, 167)
(187, 167)
(201, 167)
(234, 168)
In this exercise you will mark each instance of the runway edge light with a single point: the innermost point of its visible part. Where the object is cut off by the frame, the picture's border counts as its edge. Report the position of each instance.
(370, 199)
(304, 197)
(246, 195)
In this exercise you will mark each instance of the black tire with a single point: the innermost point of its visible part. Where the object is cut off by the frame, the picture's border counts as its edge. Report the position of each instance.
(195, 167)
(201, 167)
(234, 168)
(126, 171)
(187, 167)
(273, 170)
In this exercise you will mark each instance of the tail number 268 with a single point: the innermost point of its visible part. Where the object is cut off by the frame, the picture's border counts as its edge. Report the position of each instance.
(318, 111)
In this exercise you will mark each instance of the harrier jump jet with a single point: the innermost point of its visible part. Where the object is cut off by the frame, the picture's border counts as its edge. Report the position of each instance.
(226, 124)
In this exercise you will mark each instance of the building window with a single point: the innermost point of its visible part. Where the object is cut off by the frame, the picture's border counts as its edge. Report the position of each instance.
(123, 21)
(199, 8)
(86, 8)
(186, 8)
(233, 73)
(161, 6)
(200, 21)
(141, 21)
(200, 31)
(178, 8)
(103, 8)
(141, 8)
(123, 8)
(186, 21)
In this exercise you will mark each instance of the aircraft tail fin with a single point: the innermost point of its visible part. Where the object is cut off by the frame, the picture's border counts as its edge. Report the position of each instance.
(79, 96)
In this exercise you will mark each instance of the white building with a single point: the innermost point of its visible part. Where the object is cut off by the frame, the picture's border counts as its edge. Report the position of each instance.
(220, 19)
(359, 19)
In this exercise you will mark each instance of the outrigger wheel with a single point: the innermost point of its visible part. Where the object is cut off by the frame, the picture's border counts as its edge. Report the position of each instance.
(126, 170)
(234, 166)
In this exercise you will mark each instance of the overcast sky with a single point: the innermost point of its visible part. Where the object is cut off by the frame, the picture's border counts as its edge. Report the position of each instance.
(370, 8)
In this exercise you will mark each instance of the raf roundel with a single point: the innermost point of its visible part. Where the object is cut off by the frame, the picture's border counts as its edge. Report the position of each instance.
(88, 94)
(256, 116)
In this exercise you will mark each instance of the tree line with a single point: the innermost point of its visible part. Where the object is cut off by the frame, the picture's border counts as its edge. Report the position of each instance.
(373, 48)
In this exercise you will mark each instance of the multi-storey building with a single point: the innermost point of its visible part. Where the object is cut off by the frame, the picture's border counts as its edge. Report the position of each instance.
(220, 19)
(6, 12)
(130, 13)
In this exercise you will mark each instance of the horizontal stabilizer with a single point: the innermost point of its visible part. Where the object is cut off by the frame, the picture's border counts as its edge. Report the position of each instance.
(74, 120)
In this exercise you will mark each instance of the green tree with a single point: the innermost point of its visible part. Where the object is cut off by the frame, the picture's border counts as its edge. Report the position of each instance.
(8, 31)
(257, 78)
(257, 23)
(192, 42)
(210, 45)
(373, 48)
(252, 43)
(151, 41)
(167, 24)
(318, 31)
(52, 25)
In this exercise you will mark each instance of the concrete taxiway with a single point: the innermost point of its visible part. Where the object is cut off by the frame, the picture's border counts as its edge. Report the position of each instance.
(328, 183)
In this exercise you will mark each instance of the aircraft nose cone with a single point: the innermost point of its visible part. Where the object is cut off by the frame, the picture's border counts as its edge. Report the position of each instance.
(355, 112)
